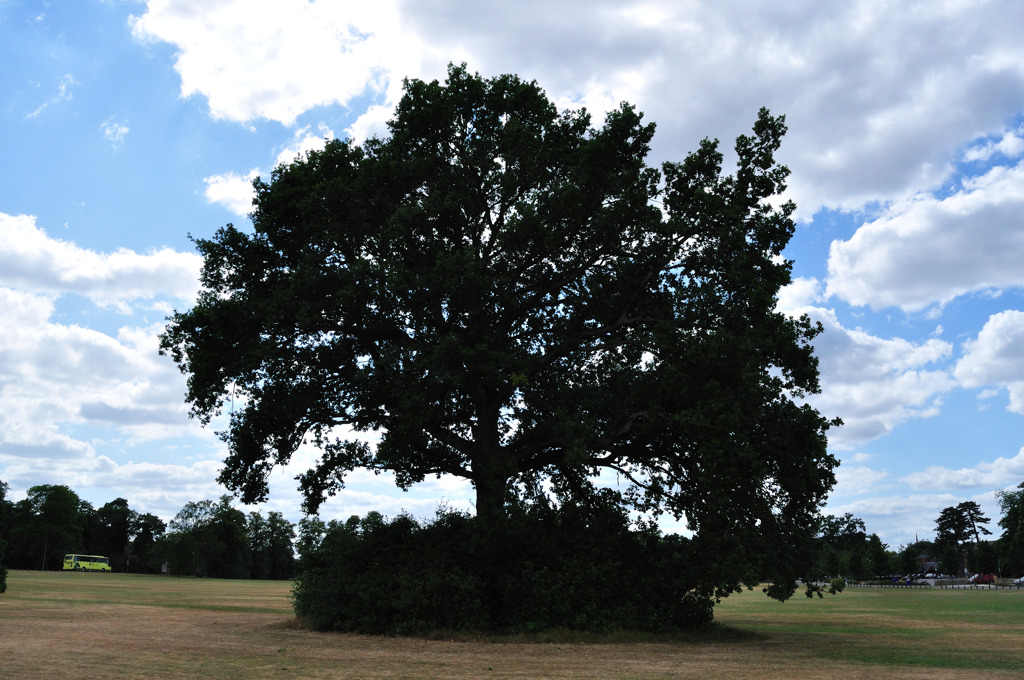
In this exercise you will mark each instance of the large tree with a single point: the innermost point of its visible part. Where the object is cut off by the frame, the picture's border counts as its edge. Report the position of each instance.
(507, 294)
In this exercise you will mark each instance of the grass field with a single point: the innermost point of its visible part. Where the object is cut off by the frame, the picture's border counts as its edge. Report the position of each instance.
(70, 625)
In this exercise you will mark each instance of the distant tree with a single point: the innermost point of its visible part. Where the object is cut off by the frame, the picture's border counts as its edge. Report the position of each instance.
(207, 538)
(230, 559)
(182, 546)
(311, 532)
(49, 523)
(878, 556)
(1011, 542)
(846, 549)
(271, 546)
(4, 514)
(510, 296)
(974, 520)
(908, 557)
(952, 533)
(146, 530)
(983, 559)
(955, 528)
(110, 531)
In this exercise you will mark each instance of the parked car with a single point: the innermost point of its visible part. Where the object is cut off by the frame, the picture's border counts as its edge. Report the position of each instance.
(982, 578)
(1018, 581)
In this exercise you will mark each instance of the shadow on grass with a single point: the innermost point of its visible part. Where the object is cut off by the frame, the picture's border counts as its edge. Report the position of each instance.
(713, 633)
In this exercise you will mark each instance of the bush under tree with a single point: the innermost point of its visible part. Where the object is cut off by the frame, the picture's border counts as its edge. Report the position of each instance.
(579, 566)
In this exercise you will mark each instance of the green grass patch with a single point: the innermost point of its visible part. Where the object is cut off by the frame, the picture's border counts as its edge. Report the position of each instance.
(955, 629)
(157, 627)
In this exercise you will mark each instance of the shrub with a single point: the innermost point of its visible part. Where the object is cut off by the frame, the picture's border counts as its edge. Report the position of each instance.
(577, 568)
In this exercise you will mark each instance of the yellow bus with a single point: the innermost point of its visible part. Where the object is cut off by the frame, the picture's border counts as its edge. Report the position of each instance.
(86, 563)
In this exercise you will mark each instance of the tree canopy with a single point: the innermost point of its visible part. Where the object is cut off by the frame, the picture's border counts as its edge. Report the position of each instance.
(508, 294)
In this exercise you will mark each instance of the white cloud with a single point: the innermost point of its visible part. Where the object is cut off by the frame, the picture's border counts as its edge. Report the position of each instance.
(1011, 145)
(878, 96)
(927, 250)
(63, 94)
(61, 383)
(996, 357)
(802, 292)
(232, 191)
(996, 474)
(115, 132)
(372, 123)
(277, 59)
(31, 260)
(873, 383)
(236, 193)
(54, 375)
(303, 141)
(853, 480)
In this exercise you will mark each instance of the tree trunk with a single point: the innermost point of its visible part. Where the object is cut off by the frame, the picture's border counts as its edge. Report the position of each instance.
(491, 470)
(490, 497)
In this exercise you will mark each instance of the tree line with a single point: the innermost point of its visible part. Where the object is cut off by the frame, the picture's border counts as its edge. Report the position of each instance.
(959, 546)
(206, 538)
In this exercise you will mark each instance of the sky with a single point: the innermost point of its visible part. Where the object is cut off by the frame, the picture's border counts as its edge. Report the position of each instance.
(127, 126)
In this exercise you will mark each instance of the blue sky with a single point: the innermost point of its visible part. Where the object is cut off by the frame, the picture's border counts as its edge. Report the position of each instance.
(127, 125)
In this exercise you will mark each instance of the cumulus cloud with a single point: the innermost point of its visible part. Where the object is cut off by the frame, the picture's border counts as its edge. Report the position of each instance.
(996, 474)
(879, 97)
(275, 60)
(801, 293)
(303, 141)
(1010, 144)
(59, 381)
(853, 480)
(33, 261)
(874, 383)
(928, 250)
(236, 193)
(231, 190)
(996, 357)
(54, 375)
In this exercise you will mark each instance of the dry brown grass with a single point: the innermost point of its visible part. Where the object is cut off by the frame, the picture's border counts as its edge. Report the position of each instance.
(55, 625)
